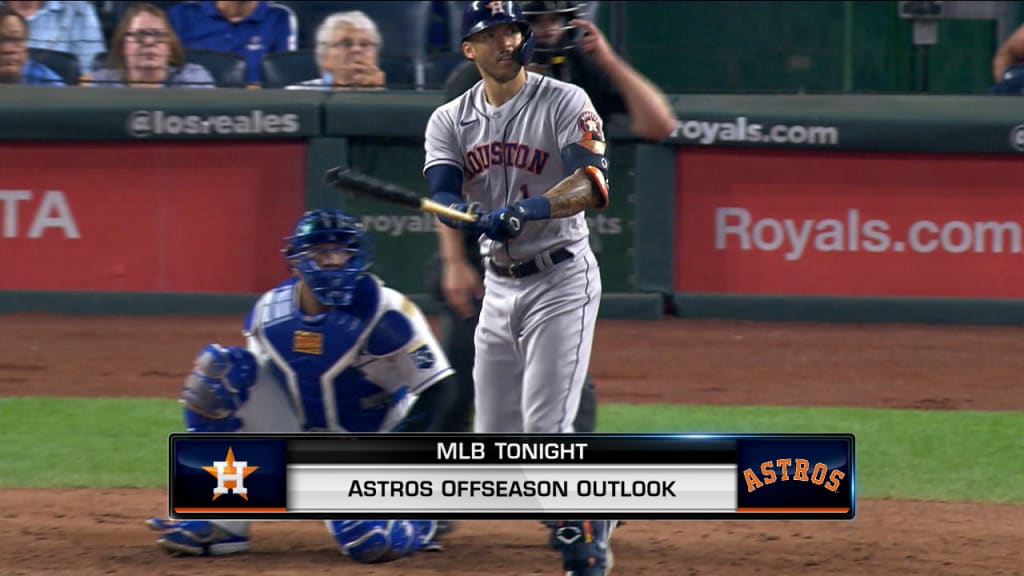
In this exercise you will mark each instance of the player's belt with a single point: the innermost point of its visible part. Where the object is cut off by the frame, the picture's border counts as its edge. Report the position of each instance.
(529, 267)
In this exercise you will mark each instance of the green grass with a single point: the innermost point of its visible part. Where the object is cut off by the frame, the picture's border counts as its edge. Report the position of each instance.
(916, 454)
(108, 442)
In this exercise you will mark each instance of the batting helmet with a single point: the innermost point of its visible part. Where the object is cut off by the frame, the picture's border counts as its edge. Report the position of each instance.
(332, 286)
(564, 11)
(480, 16)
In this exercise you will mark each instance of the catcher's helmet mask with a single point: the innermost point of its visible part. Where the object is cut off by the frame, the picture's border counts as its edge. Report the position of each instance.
(331, 286)
(566, 10)
(481, 15)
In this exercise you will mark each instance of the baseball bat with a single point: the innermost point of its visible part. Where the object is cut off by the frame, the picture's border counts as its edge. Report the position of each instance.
(370, 187)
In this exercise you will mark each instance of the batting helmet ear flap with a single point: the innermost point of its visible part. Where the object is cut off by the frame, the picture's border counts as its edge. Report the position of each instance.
(525, 51)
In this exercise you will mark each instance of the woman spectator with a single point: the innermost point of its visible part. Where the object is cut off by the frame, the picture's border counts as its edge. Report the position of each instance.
(146, 53)
(347, 45)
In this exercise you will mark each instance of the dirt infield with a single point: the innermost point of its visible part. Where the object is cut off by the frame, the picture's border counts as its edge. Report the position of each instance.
(97, 532)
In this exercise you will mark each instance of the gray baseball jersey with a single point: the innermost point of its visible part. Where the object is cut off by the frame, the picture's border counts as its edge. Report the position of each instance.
(535, 334)
(512, 152)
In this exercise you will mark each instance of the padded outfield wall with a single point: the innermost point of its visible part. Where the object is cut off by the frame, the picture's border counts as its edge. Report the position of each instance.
(773, 207)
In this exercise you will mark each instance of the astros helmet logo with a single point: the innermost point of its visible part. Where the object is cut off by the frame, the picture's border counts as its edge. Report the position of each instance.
(496, 8)
(230, 474)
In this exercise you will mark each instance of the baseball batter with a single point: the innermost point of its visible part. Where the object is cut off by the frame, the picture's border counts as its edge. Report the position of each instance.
(526, 152)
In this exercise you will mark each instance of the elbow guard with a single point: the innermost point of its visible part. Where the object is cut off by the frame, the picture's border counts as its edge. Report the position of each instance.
(600, 182)
(595, 167)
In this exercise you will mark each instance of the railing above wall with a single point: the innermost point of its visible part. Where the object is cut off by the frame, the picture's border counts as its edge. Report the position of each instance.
(45, 113)
(881, 123)
(989, 124)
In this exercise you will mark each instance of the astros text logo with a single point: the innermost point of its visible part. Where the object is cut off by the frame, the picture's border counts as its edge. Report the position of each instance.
(230, 475)
(496, 8)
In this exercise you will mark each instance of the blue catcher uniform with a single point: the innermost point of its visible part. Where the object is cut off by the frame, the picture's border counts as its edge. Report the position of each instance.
(367, 362)
(349, 370)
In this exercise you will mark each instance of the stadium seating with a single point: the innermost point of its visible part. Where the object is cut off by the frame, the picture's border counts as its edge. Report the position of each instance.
(281, 69)
(439, 66)
(64, 64)
(403, 28)
(285, 68)
(227, 68)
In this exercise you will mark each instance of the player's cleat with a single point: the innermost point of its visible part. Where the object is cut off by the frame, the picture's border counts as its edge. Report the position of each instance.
(202, 538)
(161, 525)
(585, 546)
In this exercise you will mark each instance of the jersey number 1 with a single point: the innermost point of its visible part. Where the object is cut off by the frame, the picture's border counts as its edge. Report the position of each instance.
(524, 191)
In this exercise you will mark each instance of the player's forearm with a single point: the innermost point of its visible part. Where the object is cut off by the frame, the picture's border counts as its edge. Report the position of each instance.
(574, 194)
(650, 114)
(450, 244)
(1011, 52)
(1002, 60)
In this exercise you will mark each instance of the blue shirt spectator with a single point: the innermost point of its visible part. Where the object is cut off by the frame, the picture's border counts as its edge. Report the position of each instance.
(249, 28)
(65, 26)
(15, 65)
(35, 74)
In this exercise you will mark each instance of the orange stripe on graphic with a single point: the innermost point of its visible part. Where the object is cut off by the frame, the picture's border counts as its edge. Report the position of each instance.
(228, 510)
(801, 510)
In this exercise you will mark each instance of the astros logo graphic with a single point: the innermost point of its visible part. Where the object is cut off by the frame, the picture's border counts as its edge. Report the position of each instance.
(230, 474)
(496, 8)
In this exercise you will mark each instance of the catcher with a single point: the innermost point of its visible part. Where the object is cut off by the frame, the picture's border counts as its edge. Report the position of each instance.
(329, 349)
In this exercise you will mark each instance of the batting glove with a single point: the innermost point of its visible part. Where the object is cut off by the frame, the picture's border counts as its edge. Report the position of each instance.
(507, 223)
(502, 224)
(455, 203)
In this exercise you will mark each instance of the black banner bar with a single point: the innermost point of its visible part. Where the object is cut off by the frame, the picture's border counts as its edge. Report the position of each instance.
(473, 449)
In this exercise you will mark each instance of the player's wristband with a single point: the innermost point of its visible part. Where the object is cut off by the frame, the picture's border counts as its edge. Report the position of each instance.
(446, 198)
(536, 208)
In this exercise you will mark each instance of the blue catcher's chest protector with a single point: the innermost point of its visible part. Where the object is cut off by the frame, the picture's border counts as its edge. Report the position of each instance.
(318, 359)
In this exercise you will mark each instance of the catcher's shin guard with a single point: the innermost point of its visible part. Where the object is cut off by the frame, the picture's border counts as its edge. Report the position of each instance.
(585, 546)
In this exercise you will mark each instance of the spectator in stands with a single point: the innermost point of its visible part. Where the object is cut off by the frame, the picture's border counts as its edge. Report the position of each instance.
(15, 65)
(146, 53)
(244, 27)
(347, 45)
(71, 27)
(1009, 55)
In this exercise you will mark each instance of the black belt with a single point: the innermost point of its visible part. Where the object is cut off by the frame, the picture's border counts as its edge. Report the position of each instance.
(529, 267)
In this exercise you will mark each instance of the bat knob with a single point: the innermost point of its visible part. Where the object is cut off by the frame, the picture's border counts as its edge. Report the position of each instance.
(333, 175)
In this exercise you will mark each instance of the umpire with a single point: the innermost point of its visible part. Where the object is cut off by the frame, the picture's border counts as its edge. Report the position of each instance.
(574, 50)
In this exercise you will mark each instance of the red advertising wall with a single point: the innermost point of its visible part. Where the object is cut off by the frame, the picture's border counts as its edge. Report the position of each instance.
(155, 216)
(849, 224)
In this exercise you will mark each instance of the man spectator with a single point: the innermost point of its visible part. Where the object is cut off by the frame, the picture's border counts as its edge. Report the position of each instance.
(347, 45)
(15, 65)
(71, 27)
(249, 28)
